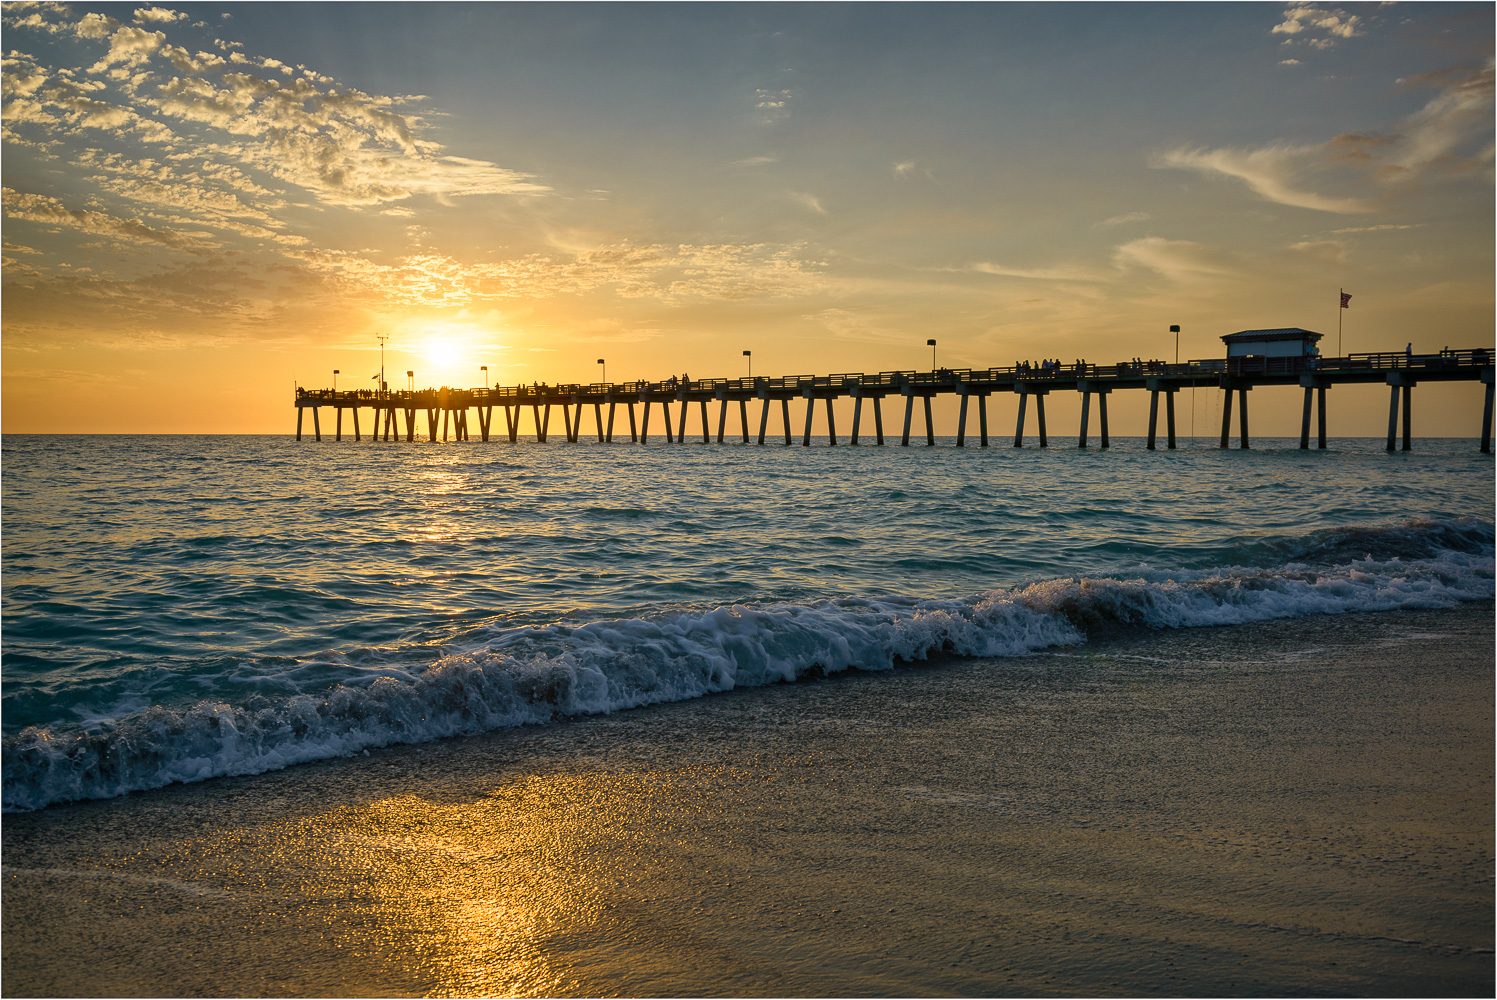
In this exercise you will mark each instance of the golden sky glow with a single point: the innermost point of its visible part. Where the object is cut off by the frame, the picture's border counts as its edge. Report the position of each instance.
(204, 206)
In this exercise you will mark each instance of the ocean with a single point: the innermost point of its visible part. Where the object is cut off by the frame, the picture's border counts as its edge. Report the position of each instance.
(182, 608)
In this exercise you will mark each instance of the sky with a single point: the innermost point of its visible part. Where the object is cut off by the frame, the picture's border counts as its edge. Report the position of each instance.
(208, 205)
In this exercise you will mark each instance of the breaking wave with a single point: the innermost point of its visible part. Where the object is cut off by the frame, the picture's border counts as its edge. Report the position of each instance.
(530, 676)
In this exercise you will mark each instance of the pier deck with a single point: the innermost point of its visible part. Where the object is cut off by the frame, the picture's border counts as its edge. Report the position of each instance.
(448, 407)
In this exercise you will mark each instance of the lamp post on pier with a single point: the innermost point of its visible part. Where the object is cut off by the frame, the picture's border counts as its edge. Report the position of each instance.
(410, 378)
(1175, 329)
(335, 381)
(932, 345)
(604, 363)
(485, 370)
(750, 356)
(382, 337)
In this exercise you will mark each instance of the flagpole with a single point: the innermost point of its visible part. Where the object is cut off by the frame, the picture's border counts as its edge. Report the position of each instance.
(1339, 308)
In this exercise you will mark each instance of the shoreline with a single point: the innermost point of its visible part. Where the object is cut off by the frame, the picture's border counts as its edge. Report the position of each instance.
(1292, 807)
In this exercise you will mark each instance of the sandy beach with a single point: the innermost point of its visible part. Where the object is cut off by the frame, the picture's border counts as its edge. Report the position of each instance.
(1299, 807)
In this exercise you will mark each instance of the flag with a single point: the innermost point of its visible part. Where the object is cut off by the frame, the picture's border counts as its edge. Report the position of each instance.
(375, 375)
(1345, 300)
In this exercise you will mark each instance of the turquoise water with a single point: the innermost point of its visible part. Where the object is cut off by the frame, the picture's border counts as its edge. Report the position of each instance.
(177, 608)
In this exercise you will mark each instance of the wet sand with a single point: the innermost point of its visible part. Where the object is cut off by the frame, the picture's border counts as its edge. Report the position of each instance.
(1294, 808)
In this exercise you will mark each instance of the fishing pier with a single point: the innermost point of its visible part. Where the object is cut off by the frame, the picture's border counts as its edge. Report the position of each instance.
(446, 411)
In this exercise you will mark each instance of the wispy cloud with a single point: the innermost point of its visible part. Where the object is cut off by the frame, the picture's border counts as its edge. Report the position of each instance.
(1119, 220)
(1178, 260)
(1272, 172)
(1035, 273)
(1450, 136)
(809, 201)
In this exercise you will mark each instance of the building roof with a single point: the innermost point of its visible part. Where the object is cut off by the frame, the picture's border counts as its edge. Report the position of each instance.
(1283, 333)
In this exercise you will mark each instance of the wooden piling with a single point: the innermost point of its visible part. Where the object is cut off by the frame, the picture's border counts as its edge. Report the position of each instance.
(878, 420)
(982, 418)
(1153, 417)
(909, 412)
(338, 421)
(1304, 422)
(644, 429)
(1226, 416)
(961, 424)
(743, 419)
(1408, 413)
(632, 436)
(1169, 420)
(1019, 423)
(1486, 421)
(810, 411)
(831, 423)
(705, 439)
(302, 409)
(1242, 417)
(1086, 412)
(722, 419)
(681, 431)
(316, 424)
(611, 407)
(1102, 417)
(785, 418)
(1392, 416)
(1320, 406)
(764, 420)
(857, 414)
(930, 425)
(1039, 412)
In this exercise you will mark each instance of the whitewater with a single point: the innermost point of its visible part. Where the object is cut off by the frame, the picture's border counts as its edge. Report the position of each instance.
(183, 608)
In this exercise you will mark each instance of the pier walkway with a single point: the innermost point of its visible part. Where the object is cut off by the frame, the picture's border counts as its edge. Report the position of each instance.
(450, 407)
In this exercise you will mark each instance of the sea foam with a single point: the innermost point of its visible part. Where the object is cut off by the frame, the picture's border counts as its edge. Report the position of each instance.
(535, 675)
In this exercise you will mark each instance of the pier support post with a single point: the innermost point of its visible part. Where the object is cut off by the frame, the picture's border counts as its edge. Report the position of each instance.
(1408, 414)
(764, 420)
(1320, 407)
(681, 431)
(665, 407)
(302, 409)
(410, 423)
(446, 416)
(1304, 420)
(644, 430)
(722, 420)
(909, 412)
(1039, 412)
(1392, 416)
(743, 419)
(1086, 413)
(632, 436)
(598, 419)
(1486, 416)
(487, 420)
(982, 418)
(431, 425)
(1226, 415)
(785, 419)
(338, 422)
(930, 426)
(805, 441)
(316, 424)
(831, 423)
(611, 407)
(1242, 411)
(705, 438)
(1169, 420)
(857, 415)
(1102, 417)
(392, 424)
(961, 424)
(1153, 417)
(1019, 423)
(512, 422)
(878, 420)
